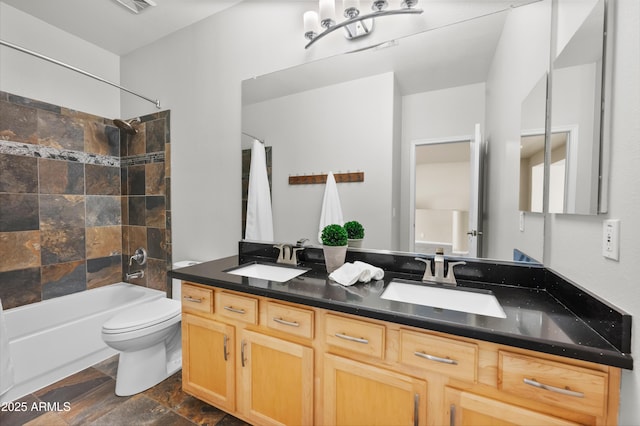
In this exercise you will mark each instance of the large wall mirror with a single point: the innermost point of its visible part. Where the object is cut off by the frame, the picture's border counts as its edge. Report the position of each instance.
(576, 112)
(532, 148)
(369, 111)
(575, 142)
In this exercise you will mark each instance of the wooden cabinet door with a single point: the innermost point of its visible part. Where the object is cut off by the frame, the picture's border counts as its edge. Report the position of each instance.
(360, 394)
(466, 408)
(277, 380)
(208, 366)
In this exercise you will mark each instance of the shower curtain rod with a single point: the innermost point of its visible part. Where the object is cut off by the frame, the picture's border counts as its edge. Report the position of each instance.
(156, 102)
(251, 136)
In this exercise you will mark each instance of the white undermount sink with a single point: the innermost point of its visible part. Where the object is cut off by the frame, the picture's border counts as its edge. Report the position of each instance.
(472, 301)
(268, 272)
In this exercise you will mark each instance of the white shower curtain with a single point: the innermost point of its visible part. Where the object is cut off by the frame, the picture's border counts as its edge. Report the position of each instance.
(259, 217)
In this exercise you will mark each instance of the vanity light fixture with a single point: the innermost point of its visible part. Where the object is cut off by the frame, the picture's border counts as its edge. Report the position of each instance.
(136, 6)
(356, 25)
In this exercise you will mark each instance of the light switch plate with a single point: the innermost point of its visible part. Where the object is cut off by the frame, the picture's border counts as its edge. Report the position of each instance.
(611, 239)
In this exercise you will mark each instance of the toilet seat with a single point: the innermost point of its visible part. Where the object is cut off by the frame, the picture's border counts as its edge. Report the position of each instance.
(143, 316)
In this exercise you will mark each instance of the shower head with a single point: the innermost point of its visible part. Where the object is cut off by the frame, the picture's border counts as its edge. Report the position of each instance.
(129, 126)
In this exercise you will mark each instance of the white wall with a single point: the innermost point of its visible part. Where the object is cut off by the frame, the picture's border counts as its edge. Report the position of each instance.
(570, 16)
(334, 128)
(31, 77)
(575, 86)
(434, 192)
(197, 72)
(576, 241)
(520, 61)
(396, 199)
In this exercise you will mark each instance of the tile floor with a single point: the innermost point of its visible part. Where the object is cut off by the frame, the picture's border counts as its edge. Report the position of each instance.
(88, 398)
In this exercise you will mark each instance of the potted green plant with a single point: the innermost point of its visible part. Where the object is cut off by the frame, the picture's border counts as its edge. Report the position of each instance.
(334, 246)
(355, 233)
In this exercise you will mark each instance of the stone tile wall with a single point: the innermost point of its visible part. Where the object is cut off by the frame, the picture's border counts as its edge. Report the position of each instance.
(145, 181)
(67, 182)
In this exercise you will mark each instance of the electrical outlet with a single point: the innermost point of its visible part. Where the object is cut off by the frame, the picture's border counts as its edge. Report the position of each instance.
(611, 239)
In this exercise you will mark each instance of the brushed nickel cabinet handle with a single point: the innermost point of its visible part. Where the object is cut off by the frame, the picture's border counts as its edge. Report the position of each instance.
(452, 415)
(351, 338)
(242, 345)
(416, 409)
(224, 349)
(234, 310)
(192, 299)
(537, 384)
(285, 322)
(436, 358)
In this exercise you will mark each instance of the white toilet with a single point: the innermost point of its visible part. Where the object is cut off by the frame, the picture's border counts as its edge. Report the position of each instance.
(148, 337)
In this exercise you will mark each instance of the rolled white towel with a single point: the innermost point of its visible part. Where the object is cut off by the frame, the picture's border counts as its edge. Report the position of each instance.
(350, 273)
(369, 272)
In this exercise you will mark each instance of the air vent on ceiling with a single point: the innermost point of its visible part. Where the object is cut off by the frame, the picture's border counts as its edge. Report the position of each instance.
(136, 6)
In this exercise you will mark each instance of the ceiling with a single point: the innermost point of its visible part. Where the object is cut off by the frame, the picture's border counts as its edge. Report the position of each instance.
(111, 26)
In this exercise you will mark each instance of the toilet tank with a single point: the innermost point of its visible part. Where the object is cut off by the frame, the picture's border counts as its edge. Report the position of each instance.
(176, 284)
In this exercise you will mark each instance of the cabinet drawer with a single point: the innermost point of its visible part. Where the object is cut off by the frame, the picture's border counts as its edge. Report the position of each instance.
(439, 354)
(289, 319)
(237, 307)
(197, 299)
(571, 387)
(355, 335)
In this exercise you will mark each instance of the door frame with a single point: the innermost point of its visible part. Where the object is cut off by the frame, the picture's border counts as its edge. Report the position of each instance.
(412, 176)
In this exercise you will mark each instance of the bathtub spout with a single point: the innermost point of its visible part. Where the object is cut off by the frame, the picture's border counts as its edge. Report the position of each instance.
(132, 275)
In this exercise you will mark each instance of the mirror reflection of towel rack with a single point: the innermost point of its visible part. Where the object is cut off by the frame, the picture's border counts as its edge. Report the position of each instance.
(322, 178)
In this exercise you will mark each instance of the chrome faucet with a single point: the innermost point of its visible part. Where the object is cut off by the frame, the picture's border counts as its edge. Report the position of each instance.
(139, 256)
(302, 242)
(438, 265)
(288, 254)
(132, 275)
(438, 274)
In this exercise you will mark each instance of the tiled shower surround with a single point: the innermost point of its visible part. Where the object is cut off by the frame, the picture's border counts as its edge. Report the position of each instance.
(77, 197)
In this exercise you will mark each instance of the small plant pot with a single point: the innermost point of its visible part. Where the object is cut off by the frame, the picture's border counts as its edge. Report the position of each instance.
(355, 242)
(334, 257)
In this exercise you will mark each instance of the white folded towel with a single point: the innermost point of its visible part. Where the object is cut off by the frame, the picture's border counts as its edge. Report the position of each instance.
(331, 209)
(350, 273)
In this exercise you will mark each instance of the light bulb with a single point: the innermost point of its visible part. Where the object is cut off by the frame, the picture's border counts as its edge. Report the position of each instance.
(327, 13)
(351, 8)
(310, 19)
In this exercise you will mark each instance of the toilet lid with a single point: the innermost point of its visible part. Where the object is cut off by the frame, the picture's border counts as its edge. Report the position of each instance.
(143, 315)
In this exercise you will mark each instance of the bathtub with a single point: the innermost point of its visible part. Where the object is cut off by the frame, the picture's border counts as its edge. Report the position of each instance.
(55, 338)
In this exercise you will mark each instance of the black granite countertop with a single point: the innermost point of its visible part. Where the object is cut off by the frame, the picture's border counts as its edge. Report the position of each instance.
(543, 311)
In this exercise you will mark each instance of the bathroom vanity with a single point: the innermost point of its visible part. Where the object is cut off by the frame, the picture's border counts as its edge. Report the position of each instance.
(310, 351)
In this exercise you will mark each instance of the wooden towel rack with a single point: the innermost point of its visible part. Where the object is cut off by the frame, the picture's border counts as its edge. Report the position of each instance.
(322, 178)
